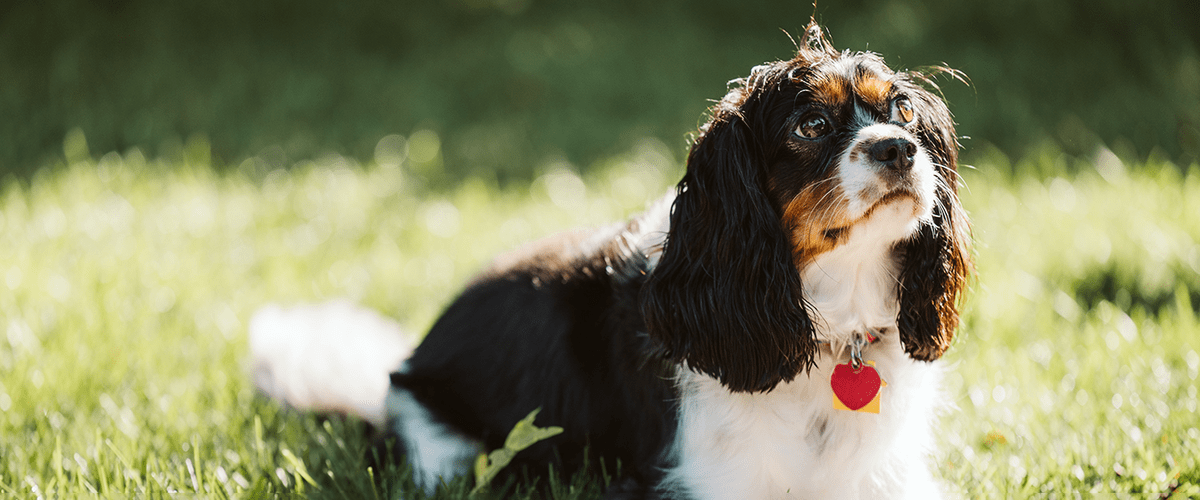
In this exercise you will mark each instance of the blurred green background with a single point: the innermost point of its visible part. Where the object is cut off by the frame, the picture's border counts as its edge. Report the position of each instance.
(507, 85)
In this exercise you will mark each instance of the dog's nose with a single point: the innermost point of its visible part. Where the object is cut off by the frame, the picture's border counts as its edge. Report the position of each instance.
(895, 153)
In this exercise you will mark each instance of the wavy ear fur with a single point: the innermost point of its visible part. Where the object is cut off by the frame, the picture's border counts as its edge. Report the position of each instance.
(937, 258)
(725, 297)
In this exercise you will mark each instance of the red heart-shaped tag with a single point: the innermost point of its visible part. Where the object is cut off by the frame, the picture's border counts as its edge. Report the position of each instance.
(855, 388)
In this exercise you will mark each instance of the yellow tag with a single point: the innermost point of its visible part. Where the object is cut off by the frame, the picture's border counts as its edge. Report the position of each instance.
(872, 407)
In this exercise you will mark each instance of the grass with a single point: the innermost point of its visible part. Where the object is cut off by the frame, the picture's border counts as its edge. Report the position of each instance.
(127, 283)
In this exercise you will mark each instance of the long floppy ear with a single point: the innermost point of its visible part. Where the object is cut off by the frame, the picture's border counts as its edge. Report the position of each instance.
(936, 259)
(725, 297)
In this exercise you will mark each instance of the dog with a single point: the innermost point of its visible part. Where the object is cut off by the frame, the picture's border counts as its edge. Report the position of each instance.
(770, 329)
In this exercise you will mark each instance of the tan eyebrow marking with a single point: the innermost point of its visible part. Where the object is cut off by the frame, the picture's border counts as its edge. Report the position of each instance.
(873, 90)
(830, 90)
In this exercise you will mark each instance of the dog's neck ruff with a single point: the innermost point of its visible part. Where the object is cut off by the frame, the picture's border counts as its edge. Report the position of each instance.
(853, 288)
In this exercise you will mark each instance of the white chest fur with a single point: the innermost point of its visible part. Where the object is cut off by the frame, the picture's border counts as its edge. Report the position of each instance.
(791, 442)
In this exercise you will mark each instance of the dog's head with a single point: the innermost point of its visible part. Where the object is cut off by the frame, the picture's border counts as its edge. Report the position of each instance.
(792, 157)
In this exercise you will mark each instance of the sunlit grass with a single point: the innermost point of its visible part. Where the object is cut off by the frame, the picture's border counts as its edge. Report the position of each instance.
(1061, 390)
(127, 283)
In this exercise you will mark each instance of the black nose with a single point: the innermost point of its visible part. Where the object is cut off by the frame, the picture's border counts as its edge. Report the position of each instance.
(895, 153)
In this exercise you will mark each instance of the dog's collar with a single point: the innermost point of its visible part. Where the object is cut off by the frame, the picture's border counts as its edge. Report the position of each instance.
(858, 341)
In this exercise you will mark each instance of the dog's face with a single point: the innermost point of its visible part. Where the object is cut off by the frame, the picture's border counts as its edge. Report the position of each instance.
(794, 158)
(852, 153)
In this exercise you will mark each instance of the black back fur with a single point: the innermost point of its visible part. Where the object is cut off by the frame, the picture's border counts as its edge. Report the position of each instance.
(557, 332)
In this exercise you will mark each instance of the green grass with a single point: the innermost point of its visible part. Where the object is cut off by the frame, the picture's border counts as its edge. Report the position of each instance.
(126, 284)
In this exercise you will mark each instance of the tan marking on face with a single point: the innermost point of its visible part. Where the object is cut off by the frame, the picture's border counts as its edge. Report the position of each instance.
(873, 90)
(830, 90)
(816, 220)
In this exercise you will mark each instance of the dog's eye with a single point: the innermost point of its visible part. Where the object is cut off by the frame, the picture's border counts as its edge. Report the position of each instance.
(813, 126)
(902, 111)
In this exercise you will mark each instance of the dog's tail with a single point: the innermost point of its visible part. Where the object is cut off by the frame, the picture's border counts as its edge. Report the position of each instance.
(329, 357)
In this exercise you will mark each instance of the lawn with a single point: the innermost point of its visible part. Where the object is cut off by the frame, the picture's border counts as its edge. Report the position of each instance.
(128, 280)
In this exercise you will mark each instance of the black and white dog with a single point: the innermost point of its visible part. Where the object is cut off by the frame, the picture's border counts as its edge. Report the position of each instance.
(809, 264)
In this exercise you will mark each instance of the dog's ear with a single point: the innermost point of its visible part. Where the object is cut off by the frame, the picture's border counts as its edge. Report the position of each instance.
(937, 258)
(725, 297)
